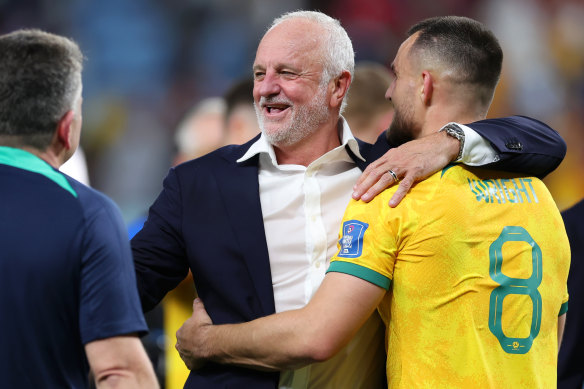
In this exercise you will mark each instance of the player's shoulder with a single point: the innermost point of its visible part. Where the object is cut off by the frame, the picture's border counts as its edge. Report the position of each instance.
(458, 173)
(493, 186)
(87, 194)
(93, 203)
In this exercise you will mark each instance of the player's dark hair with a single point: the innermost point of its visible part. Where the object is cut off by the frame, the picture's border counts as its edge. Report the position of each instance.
(465, 45)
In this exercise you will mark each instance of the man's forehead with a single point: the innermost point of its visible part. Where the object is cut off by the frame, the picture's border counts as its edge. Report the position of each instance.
(403, 51)
(294, 33)
(287, 46)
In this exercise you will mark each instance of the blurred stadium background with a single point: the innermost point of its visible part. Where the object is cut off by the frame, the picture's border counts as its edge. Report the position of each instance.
(149, 62)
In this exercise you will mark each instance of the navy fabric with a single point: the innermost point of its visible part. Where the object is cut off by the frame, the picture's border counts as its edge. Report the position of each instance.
(66, 279)
(208, 218)
(570, 365)
(524, 145)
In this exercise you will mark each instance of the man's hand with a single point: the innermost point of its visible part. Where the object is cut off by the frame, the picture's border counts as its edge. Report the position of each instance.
(411, 162)
(190, 337)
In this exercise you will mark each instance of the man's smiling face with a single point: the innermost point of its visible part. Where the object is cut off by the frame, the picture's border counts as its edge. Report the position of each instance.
(290, 99)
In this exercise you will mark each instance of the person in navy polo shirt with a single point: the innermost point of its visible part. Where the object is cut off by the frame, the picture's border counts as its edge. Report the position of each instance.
(68, 298)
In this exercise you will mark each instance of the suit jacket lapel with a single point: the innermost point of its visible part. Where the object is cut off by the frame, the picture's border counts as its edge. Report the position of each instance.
(364, 150)
(240, 187)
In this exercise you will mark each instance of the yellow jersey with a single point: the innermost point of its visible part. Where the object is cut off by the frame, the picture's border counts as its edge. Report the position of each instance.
(476, 264)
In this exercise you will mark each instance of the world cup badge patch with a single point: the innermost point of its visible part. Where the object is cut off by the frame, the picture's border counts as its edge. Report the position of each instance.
(352, 241)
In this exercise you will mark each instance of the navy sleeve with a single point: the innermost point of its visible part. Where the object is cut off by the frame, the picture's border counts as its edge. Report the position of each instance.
(524, 145)
(109, 303)
(158, 249)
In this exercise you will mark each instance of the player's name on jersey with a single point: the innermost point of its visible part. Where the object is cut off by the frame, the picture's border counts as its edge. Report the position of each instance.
(512, 190)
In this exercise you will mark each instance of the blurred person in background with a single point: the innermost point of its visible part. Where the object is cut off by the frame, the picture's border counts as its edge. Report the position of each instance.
(570, 366)
(201, 130)
(368, 112)
(67, 286)
(241, 123)
(257, 223)
(453, 320)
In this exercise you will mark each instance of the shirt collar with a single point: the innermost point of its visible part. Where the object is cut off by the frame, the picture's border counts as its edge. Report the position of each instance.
(22, 159)
(262, 146)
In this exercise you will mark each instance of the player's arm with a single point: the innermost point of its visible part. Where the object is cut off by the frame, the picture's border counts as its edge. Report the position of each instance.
(286, 340)
(516, 144)
(561, 325)
(120, 362)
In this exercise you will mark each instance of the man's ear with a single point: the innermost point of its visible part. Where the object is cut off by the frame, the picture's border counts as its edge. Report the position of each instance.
(64, 130)
(427, 88)
(340, 88)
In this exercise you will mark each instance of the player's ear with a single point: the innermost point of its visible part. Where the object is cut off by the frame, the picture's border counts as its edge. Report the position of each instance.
(427, 87)
(65, 131)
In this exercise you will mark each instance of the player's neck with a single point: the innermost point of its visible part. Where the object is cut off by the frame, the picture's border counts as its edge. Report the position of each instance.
(439, 117)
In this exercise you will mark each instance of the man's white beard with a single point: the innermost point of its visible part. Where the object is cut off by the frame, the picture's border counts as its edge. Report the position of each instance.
(304, 119)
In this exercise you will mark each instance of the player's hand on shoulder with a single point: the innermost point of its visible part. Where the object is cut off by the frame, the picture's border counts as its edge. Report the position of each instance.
(404, 165)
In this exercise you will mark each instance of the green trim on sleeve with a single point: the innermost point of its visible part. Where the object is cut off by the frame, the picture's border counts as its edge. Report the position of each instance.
(563, 309)
(24, 160)
(360, 272)
(446, 168)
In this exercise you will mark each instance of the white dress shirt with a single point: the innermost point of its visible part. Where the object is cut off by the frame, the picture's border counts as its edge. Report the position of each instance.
(302, 210)
(477, 151)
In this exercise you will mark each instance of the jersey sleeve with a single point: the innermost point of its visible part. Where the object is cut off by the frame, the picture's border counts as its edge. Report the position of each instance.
(109, 302)
(367, 246)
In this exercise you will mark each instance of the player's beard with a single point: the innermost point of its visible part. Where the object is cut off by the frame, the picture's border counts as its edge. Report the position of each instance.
(402, 128)
(303, 121)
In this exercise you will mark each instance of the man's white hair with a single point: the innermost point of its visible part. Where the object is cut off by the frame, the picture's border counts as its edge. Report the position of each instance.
(338, 54)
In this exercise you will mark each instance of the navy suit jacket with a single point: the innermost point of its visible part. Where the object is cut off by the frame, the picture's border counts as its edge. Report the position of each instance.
(570, 366)
(208, 218)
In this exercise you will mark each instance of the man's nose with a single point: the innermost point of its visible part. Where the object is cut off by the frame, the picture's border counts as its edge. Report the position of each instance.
(269, 85)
